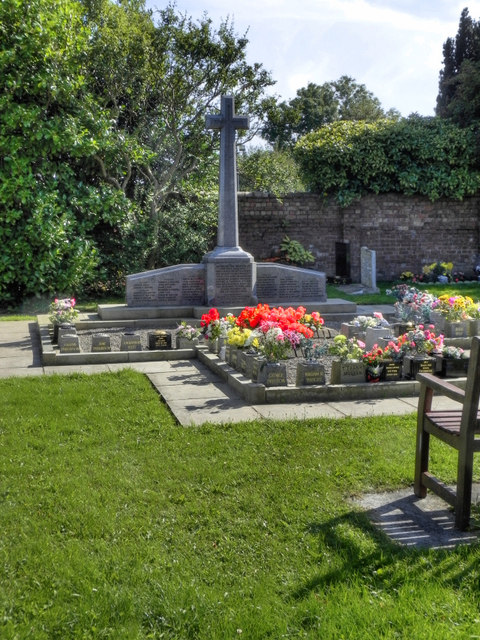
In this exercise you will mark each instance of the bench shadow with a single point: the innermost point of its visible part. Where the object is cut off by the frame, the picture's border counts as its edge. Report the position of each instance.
(365, 549)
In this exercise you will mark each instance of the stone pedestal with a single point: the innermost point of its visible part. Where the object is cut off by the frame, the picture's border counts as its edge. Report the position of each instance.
(230, 277)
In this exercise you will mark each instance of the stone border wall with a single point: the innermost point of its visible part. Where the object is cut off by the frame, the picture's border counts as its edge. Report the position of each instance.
(406, 232)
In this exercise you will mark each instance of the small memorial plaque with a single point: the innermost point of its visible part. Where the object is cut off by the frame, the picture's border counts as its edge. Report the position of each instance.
(159, 340)
(273, 374)
(69, 343)
(130, 342)
(101, 343)
(310, 373)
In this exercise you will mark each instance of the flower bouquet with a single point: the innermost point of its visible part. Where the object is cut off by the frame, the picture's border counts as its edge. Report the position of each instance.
(62, 310)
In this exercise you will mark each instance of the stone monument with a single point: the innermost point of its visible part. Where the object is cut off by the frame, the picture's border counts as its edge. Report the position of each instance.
(230, 271)
(228, 276)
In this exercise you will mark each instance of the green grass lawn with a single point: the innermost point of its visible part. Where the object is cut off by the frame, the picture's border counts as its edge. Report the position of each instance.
(117, 523)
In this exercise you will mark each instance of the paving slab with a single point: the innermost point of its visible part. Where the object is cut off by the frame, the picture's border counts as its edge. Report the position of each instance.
(195, 412)
(416, 522)
(373, 407)
(77, 368)
(297, 411)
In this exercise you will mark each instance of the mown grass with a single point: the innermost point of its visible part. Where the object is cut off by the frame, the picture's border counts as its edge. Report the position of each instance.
(471, 289)
(117, 523)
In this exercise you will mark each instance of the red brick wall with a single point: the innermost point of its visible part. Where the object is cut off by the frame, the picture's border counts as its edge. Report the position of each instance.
(406, 232)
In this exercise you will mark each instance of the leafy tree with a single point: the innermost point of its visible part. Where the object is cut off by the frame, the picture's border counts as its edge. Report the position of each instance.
(101, 127)
(427, 156)
(317, 105)
(158, 82)
(49, 128)
(271, 171)
(458, 83)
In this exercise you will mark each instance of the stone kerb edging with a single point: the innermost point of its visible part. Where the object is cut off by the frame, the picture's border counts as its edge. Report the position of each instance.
(251, 392)
(256, 393)
(51, 356)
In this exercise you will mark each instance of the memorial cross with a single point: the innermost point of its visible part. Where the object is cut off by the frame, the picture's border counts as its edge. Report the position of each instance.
(227, 122)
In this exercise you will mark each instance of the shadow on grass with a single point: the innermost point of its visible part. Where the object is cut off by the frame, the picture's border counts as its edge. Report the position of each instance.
(362, 547)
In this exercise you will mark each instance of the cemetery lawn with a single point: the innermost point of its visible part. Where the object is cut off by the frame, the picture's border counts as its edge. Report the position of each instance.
(117, 523)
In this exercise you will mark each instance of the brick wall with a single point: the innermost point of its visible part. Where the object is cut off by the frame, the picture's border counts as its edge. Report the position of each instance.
(406, 232)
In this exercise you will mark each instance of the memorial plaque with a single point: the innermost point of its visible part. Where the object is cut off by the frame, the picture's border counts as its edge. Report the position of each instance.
(232, 282)
(310, 373)
(130, 342)
(101, 343)
(273, 374)
(169, 287)
(284, 284)
(69, 343)
(158, 340)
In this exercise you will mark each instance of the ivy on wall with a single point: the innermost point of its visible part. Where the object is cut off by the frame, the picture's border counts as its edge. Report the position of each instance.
(415, 155)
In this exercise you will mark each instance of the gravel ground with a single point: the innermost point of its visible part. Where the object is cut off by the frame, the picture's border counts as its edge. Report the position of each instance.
(85, 339)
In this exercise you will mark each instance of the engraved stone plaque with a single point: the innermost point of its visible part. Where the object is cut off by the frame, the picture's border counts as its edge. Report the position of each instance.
(159, 340)
(101, 343)
(169, 287)
(69, 343)
(130, 342)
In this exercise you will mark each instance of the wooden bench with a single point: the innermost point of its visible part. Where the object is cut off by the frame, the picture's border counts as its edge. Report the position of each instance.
(457, 428)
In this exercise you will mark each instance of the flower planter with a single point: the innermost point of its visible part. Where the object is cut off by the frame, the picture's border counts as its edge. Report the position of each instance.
(65, 328)
(453, 368)
(232, 355)
(310, 373)
(473, 327)
(392, 371)
(352, 331)
(213, 345)
(248, 361)
(185, 343)
(373, 335)
(258, 361)
(273, 374)
(455, 329)
(417, 364)
(438, 320)
(347, 371)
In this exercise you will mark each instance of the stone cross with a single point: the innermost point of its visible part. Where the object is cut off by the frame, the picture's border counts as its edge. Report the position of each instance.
(227, 122)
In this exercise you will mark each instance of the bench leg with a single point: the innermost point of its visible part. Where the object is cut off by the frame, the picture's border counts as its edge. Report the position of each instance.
(464, 489)
(421, 461)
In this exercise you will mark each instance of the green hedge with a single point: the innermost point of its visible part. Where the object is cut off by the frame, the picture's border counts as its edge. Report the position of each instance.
(426, 156)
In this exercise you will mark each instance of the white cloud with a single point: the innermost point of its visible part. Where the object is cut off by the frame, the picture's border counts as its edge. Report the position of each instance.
(394, 47)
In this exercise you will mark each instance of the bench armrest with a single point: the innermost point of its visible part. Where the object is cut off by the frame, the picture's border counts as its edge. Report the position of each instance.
(441, 386)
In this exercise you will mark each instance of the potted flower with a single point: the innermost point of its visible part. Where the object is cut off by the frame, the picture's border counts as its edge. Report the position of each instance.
(310, 371)
(417, 347)
(473, 322)
(373, 361)
(357, 327)
(453, 309)
(412, 306)
(314, 321)
(453, 362)
(61, 311)
(186, 335)
(236, 339)
(347, 365)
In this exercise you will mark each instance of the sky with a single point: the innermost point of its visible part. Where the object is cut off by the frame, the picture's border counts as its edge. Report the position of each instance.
(393, 47)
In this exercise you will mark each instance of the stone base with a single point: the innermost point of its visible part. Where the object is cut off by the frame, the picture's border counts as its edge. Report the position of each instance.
(230, 277)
